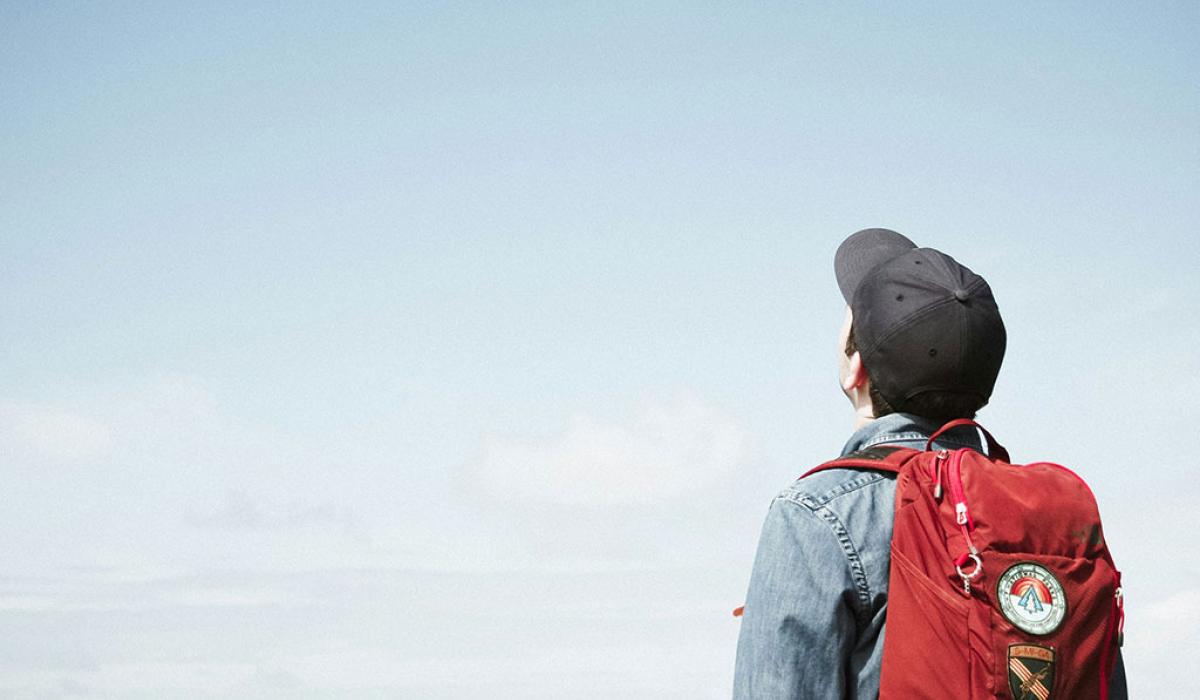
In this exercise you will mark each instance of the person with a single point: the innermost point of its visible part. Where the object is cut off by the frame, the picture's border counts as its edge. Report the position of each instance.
(921, 344)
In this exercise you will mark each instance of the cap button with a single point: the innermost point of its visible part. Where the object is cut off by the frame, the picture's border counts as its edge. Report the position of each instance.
(961, 294)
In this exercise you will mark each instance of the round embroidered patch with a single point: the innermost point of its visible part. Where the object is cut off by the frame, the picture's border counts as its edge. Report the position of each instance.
(1031, 598)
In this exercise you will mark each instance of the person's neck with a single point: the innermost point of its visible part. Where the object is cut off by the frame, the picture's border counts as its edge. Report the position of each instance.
(862, 416)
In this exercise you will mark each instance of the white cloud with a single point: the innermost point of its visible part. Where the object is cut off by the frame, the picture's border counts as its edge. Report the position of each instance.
(37, 434)
(157, 472)
(655, 484)
(663, 450)
(372, 632)
(166, 415)
(240, 512)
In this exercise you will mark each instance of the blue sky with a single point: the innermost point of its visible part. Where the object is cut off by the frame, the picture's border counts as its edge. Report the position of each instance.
(327, 329)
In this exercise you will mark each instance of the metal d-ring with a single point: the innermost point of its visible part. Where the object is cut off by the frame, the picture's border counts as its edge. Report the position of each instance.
(966, 578)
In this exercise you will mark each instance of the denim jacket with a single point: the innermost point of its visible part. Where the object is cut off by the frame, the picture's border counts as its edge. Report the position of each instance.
(814, 617)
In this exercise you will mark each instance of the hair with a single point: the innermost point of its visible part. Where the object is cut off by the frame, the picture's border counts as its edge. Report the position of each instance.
(937, 405)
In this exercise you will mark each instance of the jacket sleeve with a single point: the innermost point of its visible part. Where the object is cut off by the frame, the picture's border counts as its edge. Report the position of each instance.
(799, 624)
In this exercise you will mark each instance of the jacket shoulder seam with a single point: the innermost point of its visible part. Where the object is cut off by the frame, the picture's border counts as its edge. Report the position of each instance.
(865, 478)
(858, 573)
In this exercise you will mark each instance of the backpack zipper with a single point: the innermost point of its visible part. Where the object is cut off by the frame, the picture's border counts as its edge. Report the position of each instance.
(1116, 627)
(962, 516)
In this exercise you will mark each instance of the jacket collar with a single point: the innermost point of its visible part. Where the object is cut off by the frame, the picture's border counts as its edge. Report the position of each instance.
(906, 427)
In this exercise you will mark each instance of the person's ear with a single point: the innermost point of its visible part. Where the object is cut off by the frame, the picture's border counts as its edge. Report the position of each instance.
(856, 374)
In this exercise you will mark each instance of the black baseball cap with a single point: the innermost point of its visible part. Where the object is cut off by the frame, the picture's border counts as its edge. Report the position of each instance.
(923, 322)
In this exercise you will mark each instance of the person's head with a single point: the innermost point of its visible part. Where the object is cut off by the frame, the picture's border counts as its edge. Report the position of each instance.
(922, 334)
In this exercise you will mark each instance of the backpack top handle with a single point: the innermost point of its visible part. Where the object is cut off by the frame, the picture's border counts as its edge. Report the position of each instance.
(995, 449)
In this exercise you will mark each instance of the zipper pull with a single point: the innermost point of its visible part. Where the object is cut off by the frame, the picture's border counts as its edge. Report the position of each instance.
(958, 493)
(937, 477)
(1120, 599)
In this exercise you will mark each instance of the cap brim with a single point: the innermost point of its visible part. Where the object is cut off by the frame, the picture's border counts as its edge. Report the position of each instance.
(862, 252)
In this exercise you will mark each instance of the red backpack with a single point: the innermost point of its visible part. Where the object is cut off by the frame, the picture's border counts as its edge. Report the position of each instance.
(1000, 583)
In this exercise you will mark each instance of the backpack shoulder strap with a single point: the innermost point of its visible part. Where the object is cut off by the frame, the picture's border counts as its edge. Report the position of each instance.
(884, 458)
